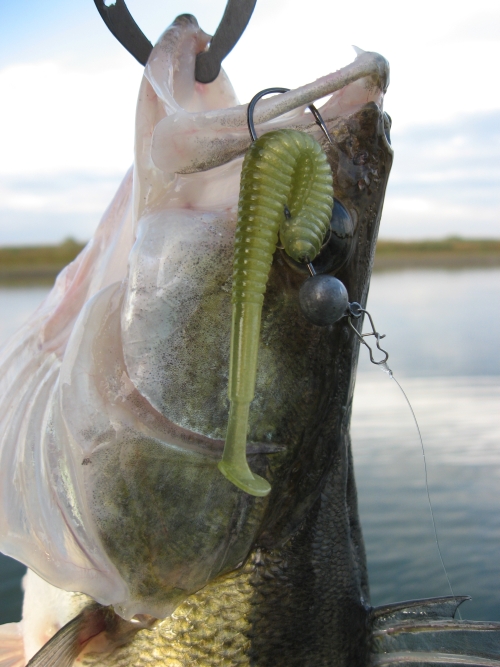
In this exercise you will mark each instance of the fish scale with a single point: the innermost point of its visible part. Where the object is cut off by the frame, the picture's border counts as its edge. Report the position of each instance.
(209, 629)
(278, 608)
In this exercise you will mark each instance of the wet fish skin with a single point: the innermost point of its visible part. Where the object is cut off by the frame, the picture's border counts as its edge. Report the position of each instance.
(302, 596)
(286, 574)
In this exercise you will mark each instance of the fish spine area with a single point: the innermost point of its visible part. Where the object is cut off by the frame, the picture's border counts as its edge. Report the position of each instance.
(285, 170)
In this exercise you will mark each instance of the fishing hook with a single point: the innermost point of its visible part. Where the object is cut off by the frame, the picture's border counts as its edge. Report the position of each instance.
(253, 134)
(355, 310)
(208, 63)
(268, 91)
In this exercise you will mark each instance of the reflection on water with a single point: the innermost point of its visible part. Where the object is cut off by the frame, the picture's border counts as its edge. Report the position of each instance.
(459, 418)
(438, 322)
(460, 423)
(442, 334)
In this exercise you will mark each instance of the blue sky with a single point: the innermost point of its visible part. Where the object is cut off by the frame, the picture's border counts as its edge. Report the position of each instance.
(68, 94)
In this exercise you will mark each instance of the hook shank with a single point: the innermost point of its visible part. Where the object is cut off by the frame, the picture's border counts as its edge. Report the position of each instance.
(268, 91)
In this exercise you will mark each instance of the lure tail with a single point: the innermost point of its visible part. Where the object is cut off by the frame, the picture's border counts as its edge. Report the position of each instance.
(286, 189)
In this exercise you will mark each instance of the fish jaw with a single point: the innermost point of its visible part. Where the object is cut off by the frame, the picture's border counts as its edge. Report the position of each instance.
(133, 448)
(191, 142)
(207, 127)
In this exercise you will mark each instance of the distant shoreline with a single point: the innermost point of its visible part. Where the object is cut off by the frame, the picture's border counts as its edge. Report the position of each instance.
(36, 265)
(449, 253)
(39, 265)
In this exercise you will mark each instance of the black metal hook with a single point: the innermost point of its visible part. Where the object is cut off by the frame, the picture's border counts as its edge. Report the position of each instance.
(121, 24)
(317, 119)
(268, 91)
(234, 21)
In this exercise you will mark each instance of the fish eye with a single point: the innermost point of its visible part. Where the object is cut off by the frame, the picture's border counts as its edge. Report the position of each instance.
(338, 245)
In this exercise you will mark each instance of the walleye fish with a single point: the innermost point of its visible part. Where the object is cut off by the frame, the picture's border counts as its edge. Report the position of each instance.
(114, 409)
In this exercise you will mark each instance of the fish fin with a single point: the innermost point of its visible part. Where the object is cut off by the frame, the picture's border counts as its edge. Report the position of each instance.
(68, 642)
(423, 632)
(11, 645)
(94, 622)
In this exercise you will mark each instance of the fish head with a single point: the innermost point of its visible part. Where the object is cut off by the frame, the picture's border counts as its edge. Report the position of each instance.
(132, 409)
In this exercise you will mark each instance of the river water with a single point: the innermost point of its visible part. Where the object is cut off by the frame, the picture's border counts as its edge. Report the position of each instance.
(442, 332)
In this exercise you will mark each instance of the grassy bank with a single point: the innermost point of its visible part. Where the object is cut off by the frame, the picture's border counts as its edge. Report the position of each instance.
(445, 253)
(40, 264)
(36, 264)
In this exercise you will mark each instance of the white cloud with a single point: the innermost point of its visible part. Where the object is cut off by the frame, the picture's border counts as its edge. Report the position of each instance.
(41, 209)
(65, 192)
(480, 25)
(45, 227)
(66, 140)
(408, 205)
(446, 179)
(67, 122)
(54, 118)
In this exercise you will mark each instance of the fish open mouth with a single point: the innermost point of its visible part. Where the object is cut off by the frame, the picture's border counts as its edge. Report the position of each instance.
(114, 407)
(116, 389)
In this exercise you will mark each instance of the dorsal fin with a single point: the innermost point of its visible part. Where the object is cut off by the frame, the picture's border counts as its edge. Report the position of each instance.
(424, 632)
(444, 607)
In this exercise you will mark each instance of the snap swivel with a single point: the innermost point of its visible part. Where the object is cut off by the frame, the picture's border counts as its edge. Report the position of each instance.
(355, 310)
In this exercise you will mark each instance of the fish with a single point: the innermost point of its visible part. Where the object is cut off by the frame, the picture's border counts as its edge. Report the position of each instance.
(114, 410)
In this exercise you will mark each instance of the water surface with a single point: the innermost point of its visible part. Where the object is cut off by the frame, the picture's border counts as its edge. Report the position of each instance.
(442, 331)
(460, 422)
(442, 334)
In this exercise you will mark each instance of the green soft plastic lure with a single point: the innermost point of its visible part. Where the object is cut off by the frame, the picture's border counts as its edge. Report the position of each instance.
(286, 189)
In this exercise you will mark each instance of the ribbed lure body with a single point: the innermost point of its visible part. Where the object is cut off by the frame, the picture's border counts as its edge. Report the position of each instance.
(282, 171)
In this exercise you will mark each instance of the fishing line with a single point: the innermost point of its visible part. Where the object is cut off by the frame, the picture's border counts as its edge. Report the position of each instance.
(355, 311)
(385, 368)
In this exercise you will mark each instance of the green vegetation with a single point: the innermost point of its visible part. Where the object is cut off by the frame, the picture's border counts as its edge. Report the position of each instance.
(452, 252)
(452, 244)
(36, 264)
(39, 265)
